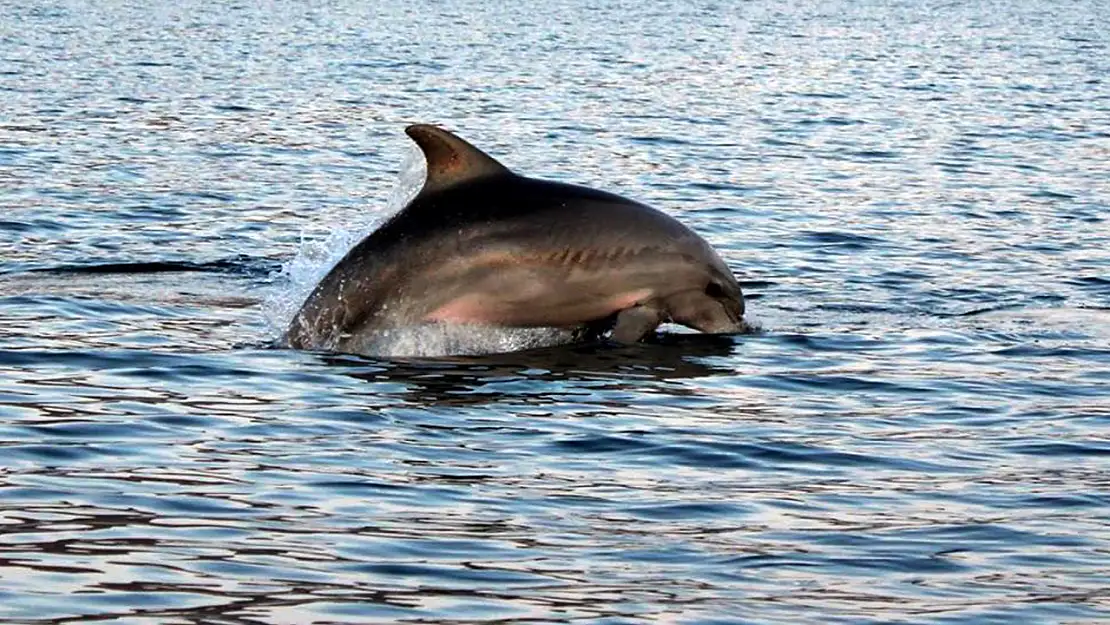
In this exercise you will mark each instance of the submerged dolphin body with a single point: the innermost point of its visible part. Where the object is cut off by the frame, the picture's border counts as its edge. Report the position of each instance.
(482, 245)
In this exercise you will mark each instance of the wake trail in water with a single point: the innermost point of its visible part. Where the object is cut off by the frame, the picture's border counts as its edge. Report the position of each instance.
(236, 265)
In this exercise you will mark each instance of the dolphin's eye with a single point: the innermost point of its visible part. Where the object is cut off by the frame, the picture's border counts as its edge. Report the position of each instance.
(714, 290)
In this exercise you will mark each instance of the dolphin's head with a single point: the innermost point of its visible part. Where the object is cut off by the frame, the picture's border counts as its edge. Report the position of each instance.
(715, 305)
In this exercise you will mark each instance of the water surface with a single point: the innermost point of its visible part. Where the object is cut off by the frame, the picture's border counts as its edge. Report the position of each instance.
(914, 194)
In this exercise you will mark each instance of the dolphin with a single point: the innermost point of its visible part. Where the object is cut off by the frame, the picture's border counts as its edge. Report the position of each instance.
(481, 245)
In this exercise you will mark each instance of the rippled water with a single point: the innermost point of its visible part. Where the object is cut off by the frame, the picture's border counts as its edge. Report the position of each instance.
(915, 194)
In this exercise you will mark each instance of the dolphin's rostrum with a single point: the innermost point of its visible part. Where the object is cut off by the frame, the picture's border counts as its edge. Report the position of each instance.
(482, 245)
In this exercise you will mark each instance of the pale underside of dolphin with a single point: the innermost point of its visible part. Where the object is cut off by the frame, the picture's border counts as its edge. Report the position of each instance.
(482, 245)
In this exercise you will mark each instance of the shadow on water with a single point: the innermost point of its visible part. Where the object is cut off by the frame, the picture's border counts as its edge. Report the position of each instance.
(463, 379)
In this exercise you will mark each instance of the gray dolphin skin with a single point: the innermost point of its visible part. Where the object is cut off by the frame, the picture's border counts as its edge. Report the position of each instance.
(482, 245)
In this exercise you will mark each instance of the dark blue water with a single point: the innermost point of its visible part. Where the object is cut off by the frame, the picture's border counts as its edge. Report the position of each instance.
(915, 195)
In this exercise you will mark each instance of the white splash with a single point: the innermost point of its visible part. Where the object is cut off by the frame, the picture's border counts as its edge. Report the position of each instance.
(440, 339)
(291, 285)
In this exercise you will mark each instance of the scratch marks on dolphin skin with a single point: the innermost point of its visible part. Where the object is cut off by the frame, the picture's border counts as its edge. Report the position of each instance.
(567, 258)
(594, 258)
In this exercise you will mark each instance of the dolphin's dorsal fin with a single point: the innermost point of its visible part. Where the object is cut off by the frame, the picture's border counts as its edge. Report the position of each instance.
(451, 160)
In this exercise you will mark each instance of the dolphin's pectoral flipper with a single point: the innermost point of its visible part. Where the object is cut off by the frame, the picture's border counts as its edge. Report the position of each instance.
(594, 330)
(634, 323)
